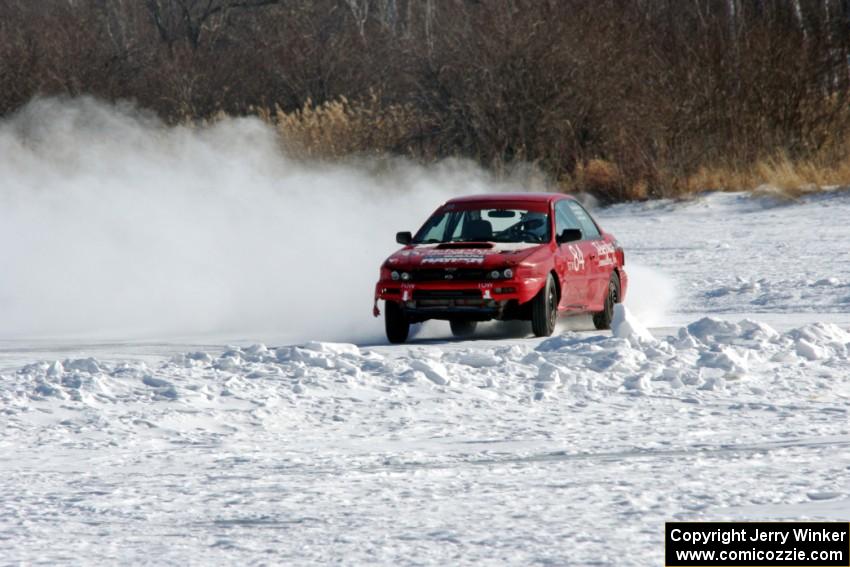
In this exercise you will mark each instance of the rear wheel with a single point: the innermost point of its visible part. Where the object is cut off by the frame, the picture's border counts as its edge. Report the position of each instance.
(396, 324)
(602, 320)
(462, 329)
(544, 309)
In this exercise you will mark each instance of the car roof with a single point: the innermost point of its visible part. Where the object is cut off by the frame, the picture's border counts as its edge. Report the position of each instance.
(503, 197)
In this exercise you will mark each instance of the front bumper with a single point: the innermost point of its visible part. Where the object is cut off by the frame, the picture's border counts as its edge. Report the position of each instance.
(442, 300)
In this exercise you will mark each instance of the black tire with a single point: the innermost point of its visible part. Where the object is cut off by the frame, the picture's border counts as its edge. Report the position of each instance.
(461, 328)
(395, 323)
(602, 320)
(544, 309)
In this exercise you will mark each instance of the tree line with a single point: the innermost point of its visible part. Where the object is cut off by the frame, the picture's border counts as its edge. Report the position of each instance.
(626, 98)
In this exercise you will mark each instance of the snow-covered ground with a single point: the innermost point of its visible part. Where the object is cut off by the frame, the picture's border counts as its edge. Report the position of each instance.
(570, 450)
(730, 253)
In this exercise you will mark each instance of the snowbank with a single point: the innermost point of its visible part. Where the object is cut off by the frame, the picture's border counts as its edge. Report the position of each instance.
(708, 354)
(626, 326)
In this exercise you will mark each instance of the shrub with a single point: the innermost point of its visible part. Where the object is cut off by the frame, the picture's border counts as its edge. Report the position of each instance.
(341, 127)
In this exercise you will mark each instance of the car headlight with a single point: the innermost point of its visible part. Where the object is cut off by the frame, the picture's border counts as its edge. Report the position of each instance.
(394, 276)
(507, 274)
(405, 276)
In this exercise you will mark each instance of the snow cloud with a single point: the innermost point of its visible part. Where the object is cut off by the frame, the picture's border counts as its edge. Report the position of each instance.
(651, 295)
(113, 224)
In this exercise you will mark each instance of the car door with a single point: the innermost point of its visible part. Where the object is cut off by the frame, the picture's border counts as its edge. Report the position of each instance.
(570, 261)
(598, 270)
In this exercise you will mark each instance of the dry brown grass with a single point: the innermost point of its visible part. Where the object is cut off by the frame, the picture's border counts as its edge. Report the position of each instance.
(778, 176)
(341, 128)
(604, 180)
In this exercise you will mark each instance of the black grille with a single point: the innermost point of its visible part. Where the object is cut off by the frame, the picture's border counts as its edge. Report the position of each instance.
(443, 275)
(446, 294)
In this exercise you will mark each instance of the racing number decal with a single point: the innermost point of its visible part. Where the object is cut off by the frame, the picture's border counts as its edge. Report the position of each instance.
(577, 263)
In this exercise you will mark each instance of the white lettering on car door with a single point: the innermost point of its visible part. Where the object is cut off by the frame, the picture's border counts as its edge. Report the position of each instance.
(605, 252)
(577, 263)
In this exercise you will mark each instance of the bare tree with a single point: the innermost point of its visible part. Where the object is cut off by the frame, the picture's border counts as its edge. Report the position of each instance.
(188, 19)
(657, 89)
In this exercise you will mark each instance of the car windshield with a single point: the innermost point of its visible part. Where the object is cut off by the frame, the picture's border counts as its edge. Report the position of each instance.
(485, 225)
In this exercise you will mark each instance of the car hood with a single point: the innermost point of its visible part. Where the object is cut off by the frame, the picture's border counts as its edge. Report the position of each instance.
(467, 254)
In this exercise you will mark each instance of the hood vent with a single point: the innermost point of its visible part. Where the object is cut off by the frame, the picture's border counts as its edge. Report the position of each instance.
(463, 245)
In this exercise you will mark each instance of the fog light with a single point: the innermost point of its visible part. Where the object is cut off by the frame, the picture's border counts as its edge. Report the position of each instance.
(508, 273)
(505, 290)
(394, 276)
(495, 274)
(405, 276)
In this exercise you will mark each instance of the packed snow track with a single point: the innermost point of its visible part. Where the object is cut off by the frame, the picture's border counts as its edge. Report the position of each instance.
(569, 450)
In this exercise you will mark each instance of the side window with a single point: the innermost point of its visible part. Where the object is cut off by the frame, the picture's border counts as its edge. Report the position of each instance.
(564, 218)
(588, 227)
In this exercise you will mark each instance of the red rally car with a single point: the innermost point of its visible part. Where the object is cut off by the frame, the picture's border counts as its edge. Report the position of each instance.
(527, 256)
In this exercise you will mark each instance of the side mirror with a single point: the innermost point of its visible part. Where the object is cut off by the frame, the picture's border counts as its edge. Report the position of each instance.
(403, 238)
(569, 235)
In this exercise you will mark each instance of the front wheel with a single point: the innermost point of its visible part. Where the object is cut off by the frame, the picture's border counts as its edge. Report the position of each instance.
(462, 329)
(395, 323)
(603, 319)
(544, 309)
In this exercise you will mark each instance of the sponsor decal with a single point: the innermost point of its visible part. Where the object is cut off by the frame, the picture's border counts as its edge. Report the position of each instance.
(453, 257)
(606, 253)
(469, 260)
